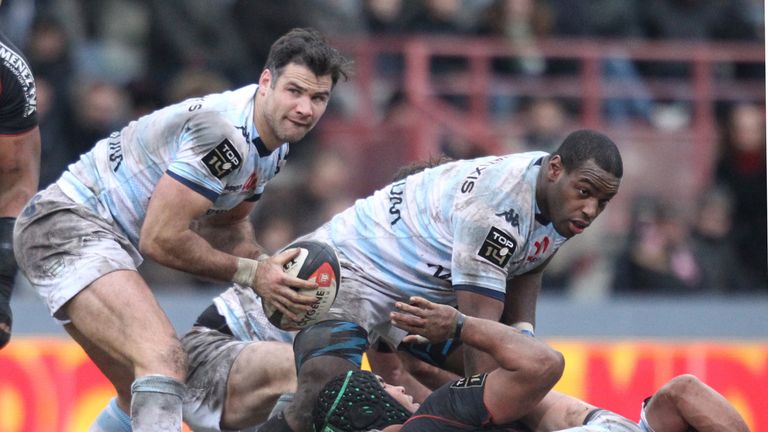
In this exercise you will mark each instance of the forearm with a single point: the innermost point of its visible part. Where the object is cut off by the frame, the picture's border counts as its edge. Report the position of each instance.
(19, 171)
(189, 252)
(236, 239)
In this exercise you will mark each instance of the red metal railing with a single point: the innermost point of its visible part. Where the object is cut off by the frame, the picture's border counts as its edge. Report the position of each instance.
(359, 130)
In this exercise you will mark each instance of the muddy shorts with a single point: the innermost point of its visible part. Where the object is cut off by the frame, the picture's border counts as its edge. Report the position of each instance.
(62, 247)
(211, 355)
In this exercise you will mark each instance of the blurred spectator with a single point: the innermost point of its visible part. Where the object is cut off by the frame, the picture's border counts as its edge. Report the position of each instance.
(388, 18)
(195, 82)
(259, 23)
(99, 108)
(607, 20)
(713, 245)
(191, 33)
(545, 123)
(441, 18)
(658, 257)
(742, 168)
(522, 23)
(324, 192)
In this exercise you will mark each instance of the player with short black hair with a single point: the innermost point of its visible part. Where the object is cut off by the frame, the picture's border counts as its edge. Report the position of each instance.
(177, 185)
(477, 403)
(19, 163)
(474, 234)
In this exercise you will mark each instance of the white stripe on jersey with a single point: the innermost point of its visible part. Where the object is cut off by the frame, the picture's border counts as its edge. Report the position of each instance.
(117, 177)
(469, 222)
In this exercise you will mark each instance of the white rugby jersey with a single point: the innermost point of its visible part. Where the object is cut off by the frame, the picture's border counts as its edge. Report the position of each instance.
(210, 144)
(241, 307)
(469, 222)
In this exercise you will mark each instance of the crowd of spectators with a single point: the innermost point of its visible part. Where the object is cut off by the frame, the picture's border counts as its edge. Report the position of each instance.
(101, 63)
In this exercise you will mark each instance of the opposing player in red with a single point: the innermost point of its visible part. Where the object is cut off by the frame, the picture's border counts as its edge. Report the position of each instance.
(19, 163)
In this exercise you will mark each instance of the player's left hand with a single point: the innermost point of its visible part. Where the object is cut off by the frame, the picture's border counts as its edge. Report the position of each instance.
(426, 320)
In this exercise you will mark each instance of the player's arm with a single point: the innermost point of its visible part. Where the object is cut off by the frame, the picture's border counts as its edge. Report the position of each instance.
(231, 232)
(168, 238)
(527, 367)
(685, 401)
(522, 296)
(388, 365)
(480, 306)
(19, 170)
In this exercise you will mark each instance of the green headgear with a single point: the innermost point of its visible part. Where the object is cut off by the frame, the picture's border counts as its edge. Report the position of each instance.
(356, 402)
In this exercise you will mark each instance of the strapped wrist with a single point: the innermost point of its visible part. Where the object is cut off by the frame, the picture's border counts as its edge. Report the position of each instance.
(459, 325)
(246, 271)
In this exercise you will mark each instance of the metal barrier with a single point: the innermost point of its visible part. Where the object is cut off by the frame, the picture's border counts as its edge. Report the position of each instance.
(360, 129)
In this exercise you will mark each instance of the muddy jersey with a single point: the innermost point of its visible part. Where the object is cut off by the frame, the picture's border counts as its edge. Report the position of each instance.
(469, 222)
(241, 308)
(18, 94)
(209, 144)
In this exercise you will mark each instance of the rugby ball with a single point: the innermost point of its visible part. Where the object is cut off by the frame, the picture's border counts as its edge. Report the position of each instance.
(317, 262)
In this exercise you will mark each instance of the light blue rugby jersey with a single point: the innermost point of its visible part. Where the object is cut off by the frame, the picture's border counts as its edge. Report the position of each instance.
(470, 222)
(210, 144)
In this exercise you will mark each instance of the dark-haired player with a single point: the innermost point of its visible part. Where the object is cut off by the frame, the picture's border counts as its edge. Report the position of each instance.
(476, 234)
(19, 163)
(177, 185)
(683, 404)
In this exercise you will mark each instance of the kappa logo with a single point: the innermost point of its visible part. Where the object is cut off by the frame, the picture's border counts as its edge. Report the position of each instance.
(498, 247)
(223, 159)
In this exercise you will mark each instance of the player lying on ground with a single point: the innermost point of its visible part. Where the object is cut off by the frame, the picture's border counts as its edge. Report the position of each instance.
(683, 403)
(528, 369)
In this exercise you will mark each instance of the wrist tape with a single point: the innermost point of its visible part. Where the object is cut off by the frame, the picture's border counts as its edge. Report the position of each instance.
(246, 272)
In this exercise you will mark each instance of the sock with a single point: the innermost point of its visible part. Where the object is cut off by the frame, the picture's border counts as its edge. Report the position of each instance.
(112, 419)
(276, 423)
(156, 404)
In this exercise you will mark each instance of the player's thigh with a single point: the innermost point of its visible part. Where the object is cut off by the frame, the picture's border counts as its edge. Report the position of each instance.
(259, 375)
(118, 313)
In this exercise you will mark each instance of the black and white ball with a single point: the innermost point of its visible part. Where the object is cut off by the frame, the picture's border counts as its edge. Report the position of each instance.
(317, 263)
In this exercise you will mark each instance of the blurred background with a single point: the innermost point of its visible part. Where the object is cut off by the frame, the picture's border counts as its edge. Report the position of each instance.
(679, 255)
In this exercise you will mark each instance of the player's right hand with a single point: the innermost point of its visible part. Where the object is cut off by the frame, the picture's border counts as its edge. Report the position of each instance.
(426, 320)
(281, 289)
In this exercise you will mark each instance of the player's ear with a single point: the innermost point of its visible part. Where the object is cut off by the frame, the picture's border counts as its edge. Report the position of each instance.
(554, 167)
(265, 80)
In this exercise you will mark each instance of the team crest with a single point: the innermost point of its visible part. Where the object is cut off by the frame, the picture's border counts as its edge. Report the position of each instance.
(498, 247)
(223, 159)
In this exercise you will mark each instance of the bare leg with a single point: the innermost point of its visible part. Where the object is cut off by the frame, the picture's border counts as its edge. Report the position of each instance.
(119, 324)
(262, 372)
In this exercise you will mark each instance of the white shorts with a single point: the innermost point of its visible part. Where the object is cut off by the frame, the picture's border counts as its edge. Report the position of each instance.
(357, 301)
(62, 247)
(211, 355)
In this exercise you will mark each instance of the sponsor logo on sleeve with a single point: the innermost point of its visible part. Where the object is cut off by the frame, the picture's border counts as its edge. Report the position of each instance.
(472, 381)
(223, 159)
(498, 247)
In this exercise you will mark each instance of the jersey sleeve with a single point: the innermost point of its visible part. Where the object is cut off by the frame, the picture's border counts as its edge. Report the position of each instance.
(209, 151)
(18, 94)
(484, 245)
